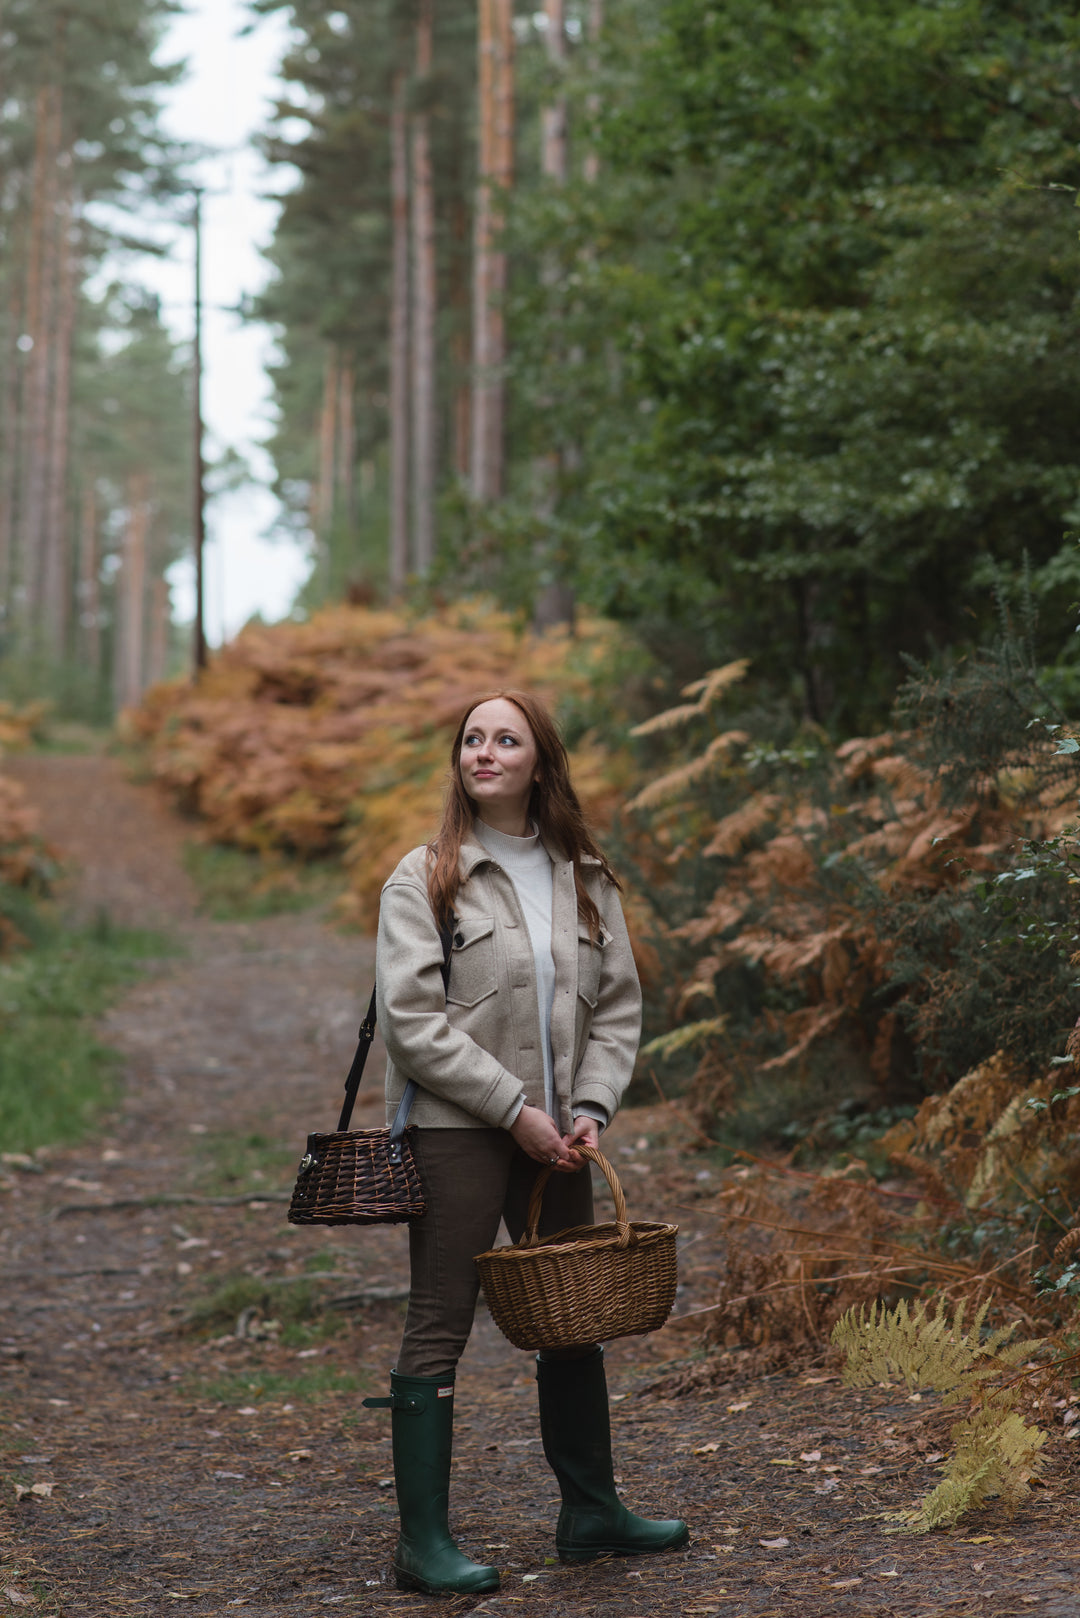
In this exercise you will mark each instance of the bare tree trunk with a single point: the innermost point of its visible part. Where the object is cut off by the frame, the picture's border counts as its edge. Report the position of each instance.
(132, 603)
(399, 344)
(496, 91)
(346, 448)
(596, 28)
(56, 557)
(158, 660)
(9, 458)
(424, 300)
(323, 504)
(554, 600)
(553, 115)
(459, 302)
(89, 590)
(41, 273)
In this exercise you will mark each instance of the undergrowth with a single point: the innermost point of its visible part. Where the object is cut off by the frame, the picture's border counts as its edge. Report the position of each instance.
(56, 1075)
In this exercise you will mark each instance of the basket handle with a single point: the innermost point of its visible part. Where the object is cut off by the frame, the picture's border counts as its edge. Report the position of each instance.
(532, 1220)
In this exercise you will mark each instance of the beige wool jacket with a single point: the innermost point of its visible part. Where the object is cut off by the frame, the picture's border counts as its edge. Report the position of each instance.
(475, 1051)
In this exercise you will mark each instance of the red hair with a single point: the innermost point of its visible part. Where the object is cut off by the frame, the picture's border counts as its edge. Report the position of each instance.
(553, 805)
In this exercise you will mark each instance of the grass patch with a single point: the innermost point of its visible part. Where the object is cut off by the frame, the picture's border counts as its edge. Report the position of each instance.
(230, 1163)
(56, 1076)
(308, 1386)
(236, 885)
(299, 1307)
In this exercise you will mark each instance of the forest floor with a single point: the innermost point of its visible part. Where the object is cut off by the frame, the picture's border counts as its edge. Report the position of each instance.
(161, 1442)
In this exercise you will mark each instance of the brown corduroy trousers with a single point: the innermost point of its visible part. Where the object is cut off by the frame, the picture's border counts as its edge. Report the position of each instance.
(472, 1178)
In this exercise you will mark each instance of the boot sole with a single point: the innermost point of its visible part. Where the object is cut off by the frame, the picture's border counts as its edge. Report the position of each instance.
(413, 1582)
(590, 1553)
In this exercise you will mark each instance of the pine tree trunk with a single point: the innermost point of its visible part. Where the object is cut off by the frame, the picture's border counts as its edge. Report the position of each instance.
(596, 28)
(496, 106)
(132, 603)
(89, 590)
(424, 305)
(553, 116)
(323, 505)
(459, 303)
(157, 663)
(9, 455)
(399, 344)
(41, 273)
(56, 582)
(554, 599)
(346, 449)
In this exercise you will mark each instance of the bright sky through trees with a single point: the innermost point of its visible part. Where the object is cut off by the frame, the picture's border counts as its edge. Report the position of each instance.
(222, 102)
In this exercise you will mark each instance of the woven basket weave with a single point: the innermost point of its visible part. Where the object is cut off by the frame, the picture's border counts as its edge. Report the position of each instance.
(584, 1285)
(350, 1178)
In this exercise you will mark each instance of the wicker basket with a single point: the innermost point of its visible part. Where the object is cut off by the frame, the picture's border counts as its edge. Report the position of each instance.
(353, 1178)
(584, 1285)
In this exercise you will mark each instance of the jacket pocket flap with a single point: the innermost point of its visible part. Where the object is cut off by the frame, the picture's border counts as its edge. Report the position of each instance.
(472, 932)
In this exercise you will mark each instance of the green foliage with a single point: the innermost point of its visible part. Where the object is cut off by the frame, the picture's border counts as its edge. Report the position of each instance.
(820, 305)
(55, 1074)
(996, 1452)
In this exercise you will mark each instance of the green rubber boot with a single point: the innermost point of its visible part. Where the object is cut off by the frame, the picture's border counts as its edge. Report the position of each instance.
(426, 1557)
(576, 1431)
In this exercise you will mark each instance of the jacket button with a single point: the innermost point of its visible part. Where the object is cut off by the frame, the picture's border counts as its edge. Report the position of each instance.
(459, 939)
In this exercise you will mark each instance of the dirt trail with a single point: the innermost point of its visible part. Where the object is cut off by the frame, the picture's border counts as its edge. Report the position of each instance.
(237, 1473)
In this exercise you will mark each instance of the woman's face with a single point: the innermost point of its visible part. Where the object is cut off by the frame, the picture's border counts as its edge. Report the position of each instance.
(498, 762)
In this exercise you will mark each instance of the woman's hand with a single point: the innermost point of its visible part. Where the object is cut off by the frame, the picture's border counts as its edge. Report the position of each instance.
(537, 1136)
(586, 1133)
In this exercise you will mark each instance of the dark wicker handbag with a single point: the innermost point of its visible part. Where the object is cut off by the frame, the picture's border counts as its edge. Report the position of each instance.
(363, 1176)
(584, 1285)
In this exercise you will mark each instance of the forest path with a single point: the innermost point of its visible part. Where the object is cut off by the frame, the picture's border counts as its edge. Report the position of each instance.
(238, 1471)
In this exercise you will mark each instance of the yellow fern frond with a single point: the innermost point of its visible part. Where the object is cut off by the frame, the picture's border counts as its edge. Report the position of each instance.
(680, 1039)
(716, 682)
(669, 719)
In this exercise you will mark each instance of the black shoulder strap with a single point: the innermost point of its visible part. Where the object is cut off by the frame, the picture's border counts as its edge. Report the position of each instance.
(364, 1039)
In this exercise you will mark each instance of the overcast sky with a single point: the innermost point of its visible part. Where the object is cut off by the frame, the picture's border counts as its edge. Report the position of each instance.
(222, 101)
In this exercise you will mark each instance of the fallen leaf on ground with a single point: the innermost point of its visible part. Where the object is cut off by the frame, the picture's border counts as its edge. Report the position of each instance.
(811, 1455)
(776, 1461)
(774, 1544)
(707, 1449)
(744, 1406)
(301, 1455)
(18, 1598)
(844, 1584)
(44, 1490)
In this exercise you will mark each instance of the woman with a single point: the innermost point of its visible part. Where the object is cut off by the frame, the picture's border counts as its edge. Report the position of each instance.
(521, 1057)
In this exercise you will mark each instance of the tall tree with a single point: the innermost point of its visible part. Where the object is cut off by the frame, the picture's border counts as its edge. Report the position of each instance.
(424, 305)
(495, 168)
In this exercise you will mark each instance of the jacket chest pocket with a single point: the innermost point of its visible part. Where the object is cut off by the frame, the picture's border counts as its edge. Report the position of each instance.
(590, 959)
(473, 968)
